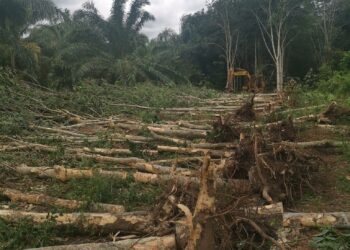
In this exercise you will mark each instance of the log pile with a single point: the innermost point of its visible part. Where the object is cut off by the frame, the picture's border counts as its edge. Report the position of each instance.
(224, 175)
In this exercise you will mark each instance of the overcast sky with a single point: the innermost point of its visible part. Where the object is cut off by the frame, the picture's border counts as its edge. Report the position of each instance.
(167, 12)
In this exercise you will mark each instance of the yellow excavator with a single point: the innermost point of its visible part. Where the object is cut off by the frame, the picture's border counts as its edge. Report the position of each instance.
(251, 83)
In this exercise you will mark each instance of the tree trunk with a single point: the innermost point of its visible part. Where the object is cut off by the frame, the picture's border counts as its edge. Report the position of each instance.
(316, 219)
(152, 243)
(135, 223)
(279, 73)
(40, 199)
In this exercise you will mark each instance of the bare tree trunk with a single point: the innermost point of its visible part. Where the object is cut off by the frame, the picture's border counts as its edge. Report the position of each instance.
(153, 243)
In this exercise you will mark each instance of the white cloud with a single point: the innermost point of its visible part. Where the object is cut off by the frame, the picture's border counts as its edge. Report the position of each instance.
(167, 12)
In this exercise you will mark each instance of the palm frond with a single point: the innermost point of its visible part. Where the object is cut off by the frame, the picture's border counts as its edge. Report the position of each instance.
(144, 18)
(136, 13)
(39, 10)
(117, 13)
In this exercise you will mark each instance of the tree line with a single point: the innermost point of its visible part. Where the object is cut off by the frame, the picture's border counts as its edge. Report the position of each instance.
(274, 39)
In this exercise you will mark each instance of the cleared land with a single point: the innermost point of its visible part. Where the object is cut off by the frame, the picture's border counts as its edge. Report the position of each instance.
(143, 176)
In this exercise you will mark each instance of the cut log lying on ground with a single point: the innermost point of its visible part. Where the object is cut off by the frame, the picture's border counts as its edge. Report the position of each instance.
(193, 126)
(322, 143)
(271, 209)
(106, 159)
(168, 139)
(179, 160)
(152, 243)
(79, 153)
(178, 150)
(64, 174)
(58, 131)
(317, 219)
(213, 145)
(131, 138)
(180, 133)
(157, 169)
(136, 222)
(107, 151)
(40, 199)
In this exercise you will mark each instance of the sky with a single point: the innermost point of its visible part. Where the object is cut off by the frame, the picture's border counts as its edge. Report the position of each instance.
(167, 12)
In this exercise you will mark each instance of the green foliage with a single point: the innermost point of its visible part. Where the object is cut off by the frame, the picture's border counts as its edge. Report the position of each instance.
(25, 233)
(331, 239)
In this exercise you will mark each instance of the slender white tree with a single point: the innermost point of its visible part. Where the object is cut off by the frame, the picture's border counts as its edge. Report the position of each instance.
(274, 30)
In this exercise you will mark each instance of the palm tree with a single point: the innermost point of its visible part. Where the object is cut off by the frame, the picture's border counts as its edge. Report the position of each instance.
(121, 29)
(16, 17)
(103, 45)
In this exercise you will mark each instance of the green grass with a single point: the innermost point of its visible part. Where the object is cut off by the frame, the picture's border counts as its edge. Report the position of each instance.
(343, 183)
(331, 239)
(107, 190)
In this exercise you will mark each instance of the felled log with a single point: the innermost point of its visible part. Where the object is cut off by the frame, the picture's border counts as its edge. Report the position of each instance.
(193, 126)
(107, 159)
(179, 160)
(178, 150)
(64, 174)
(339, 219)
(136, 222)
(214, 145)
(107, 151)
(322, 143)
(168, 139)
(152, 243)
(56, 130)
(180, 133)
(271, 209)
(131, 138)
(40, 199)
(157, 169)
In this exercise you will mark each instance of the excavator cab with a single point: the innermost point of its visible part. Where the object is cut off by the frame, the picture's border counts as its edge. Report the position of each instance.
(250, 83)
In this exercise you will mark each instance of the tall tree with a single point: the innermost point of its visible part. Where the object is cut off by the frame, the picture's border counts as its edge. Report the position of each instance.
(274, 30)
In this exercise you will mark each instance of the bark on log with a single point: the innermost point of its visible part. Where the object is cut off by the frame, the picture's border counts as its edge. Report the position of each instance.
(323, 143)
(40, 199)
(178, 150)
(59, 131)
(64, 174)
(180, 133)
(194, 126)
(271, 209)
(169, 139)
(152, 243)
(107, 151)
(201, 229)
(131, 138)
(135, 223)
(106, 159)
(317, 219)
